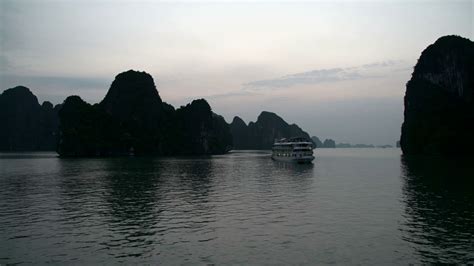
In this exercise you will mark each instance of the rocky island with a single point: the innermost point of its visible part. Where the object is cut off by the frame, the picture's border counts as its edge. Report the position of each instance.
(439, 106)
(132, 119)
(25, 124)
(327, 143)
(260, 135)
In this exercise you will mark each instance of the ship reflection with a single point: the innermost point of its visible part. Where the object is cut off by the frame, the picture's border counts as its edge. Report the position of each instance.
(297, 167)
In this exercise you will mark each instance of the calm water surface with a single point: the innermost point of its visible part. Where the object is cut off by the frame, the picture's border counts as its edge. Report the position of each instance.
(352, 206)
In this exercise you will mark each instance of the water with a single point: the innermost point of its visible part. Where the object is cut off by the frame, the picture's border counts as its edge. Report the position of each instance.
(352, 206)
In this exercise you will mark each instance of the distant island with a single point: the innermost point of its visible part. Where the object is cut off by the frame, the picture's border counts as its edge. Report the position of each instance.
(439, 100)
(260, 135)
(348, 145)
(327, 143)
(330, 143)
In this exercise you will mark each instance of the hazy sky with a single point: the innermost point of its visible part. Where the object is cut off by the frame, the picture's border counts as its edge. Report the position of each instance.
(337, 69)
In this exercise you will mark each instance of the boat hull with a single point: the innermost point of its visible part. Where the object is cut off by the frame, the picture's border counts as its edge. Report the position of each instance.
(305, 159)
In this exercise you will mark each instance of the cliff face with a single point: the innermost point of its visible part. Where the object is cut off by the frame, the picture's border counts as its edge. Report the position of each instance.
(197, 130)
(260, 135)
(133, 102)
(49, 126)
(26, 125)
(133, 98)
(88, 130)
(132, 119)
(328, 143)
(317, 142)
(439, 108)
(240, 134)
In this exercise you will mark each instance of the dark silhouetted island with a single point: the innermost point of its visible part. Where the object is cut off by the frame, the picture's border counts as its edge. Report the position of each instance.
(317, 142)
(132, 119)
(327, 143)
(439, 107)
(330, 143)
(25, 124)
(260, 135)
(348, 145)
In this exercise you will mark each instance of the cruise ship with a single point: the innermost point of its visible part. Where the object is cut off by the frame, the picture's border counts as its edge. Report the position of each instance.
(298, 150)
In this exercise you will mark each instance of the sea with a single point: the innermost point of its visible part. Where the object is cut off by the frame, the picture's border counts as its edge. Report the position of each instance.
(350, 206)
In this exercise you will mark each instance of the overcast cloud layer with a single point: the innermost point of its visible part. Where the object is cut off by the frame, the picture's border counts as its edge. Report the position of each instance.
(374, 70)
(338, 69)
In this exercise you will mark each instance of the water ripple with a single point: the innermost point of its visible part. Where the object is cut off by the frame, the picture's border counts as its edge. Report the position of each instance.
(350, 207)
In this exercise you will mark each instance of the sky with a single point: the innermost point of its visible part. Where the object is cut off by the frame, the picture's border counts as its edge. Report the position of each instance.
(338, 69)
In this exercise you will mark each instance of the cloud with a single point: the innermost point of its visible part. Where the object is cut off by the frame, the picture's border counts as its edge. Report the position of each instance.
(7, 81)
(404, 69)
(388, 63)
(232, 94)
(373, 70)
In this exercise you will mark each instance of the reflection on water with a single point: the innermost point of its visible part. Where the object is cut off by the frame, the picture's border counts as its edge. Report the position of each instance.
(439, 208)
(294, 168)
(348, 207)
(131, 189)
(133, 204)
(131, 192)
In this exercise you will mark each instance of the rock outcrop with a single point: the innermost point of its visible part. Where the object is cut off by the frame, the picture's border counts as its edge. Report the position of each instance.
(439, 107)
(329, 143)
(359, 145)
(317, 142)
(197, 130)
(25, 124)
(260, 135)
(134, 99)
(132, 119)
(240, 134)
(133, 102)
(87, 130)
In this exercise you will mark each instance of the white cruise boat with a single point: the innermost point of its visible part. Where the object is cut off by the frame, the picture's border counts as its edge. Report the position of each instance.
(299, 150)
